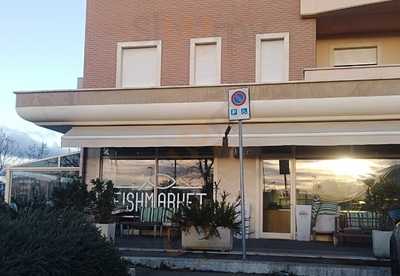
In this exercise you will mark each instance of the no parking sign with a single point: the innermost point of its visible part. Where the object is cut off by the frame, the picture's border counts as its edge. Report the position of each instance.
(239, 104)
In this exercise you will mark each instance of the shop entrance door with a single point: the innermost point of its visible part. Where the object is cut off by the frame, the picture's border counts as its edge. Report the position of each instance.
(277, 199)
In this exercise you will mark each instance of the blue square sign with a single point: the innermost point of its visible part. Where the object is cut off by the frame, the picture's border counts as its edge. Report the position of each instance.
(234, 112)
(244, 111)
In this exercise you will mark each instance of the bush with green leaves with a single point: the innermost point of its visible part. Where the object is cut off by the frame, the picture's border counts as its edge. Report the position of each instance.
(383, 191)
(207, 217)
(54, 242)
(74, 195)
(102, 194)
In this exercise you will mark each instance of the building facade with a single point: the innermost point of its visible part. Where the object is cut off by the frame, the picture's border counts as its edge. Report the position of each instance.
(152, 115)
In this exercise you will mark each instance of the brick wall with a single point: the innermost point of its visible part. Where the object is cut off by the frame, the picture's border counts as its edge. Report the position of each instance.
(175, 22)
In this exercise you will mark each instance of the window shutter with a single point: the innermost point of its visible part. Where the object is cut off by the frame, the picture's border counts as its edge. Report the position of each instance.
(355, 56)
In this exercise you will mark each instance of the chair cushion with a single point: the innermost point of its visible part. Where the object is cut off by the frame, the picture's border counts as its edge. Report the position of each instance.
(328, 208)
(325, 224)
(146, 214)
(153, 215)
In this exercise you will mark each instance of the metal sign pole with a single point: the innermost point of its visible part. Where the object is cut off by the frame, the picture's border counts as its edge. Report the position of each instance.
(239, 110)
(242, 205)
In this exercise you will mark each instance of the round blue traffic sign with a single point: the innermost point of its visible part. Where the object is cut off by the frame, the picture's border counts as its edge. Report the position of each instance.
(238, 98)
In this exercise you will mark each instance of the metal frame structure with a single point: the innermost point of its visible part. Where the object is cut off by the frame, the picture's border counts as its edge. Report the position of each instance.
(26, 168)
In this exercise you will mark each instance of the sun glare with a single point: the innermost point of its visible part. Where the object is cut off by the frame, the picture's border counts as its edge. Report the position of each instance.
(355, 168)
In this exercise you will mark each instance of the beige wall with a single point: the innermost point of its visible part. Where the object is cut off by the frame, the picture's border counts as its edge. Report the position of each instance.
(92, 164)
(388, 48)
(227, 171)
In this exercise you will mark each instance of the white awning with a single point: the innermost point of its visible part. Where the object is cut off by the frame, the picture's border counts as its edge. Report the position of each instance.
(318, 134)
(266, 134)
(145, 136)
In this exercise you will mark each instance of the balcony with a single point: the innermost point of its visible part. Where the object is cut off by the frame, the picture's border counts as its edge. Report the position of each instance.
(353, 73)
(316, 7)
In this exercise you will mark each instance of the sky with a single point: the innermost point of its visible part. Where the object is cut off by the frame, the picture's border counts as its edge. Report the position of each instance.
(41, 48)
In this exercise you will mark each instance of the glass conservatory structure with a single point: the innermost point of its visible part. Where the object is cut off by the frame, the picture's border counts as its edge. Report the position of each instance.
(36, 180)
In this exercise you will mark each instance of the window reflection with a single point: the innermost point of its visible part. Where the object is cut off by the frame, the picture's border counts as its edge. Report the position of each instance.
(72, 160)
(276, 196)
(342, 181)
(29, 187)
(51, 162)
(129, 173)
(136, 178)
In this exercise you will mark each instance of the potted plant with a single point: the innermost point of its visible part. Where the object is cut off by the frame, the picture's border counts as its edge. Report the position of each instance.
(382, 196)
(208, 226)
(102, 193)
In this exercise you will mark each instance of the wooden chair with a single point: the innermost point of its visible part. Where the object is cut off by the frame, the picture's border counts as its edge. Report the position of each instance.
(149, 218)
(357, 225)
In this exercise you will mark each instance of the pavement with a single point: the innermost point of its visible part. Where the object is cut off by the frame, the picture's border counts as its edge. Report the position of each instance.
(151, 272)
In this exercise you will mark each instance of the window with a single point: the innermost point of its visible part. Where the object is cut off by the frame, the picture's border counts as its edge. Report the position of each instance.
(355, 56)
(352, 184)
(30, 187)
(139, 64)
(157, 181)
(276, 196)
(205, 61)
(272, 57)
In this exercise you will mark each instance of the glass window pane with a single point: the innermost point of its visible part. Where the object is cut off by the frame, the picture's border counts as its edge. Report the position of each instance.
(276, 196)
(2, 191)
(129, 173)
(133, 180)
(72, 160)
(28, 187)
(52, 162)
(343, 181)
(186, 173)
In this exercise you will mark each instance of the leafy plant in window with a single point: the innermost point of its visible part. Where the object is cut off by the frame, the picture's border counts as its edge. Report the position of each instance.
(383, 193)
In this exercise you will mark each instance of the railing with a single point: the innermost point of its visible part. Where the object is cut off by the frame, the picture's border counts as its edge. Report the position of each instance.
(352, 73)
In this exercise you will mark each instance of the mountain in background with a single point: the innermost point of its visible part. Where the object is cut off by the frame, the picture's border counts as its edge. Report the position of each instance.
(17, 147)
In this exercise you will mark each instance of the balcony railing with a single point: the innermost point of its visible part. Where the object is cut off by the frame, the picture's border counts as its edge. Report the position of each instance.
(353, 73)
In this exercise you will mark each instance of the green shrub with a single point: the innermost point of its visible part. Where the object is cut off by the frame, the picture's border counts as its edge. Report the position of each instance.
(208, 216)
(7, 212)
(55, 242)
(102, 194)
(75, 195)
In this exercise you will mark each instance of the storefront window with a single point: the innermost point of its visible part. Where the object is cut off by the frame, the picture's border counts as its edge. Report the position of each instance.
(134, 174)
(343, 181)
(168, 183)
(187, 173)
